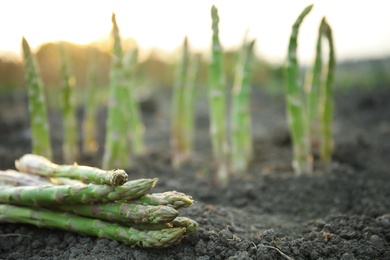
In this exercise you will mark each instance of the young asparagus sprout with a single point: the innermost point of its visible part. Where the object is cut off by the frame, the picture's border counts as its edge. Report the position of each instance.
(94, 227)
(36, 104)
(136, 127)
(179, 139)
(327, 100)
(116, 153)
(48, 195)
(217, 104)
(302, 158)
(38, 165)
(241, 136)
(313, 94)
(174, 199)
(69, 146)
(90, 143)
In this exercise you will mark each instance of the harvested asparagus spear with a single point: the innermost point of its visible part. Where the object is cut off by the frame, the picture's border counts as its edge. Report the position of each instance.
(172, 199)
(123, 212)
(14, 178)
(74, 194)
(35, 164)
(187, 223)
(94, 227)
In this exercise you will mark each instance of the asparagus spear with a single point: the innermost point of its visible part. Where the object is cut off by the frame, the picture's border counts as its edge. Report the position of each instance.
(123, 212)
(74, 194)
(14, 178)
(69, 146)
(134, 120)
(172, 199)
(187, 223)
(94, 227)
(327, 100)
(36, 104)
(217, 100)
(89, 125)
(302, 161)
(35, 164)
(116, 153)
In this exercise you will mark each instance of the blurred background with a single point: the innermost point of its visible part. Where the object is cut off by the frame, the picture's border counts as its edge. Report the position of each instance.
(157, 28)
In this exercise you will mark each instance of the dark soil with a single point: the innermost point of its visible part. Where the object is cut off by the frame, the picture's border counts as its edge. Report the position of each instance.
(339, 213)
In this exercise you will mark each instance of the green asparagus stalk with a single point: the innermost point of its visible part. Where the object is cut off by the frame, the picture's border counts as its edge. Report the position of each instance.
(302, 159)
(187, 223)
(217, 101)
(189, 97)
(241, 137)
(69, 146)
(35, 164)
(14, 178)
(313, 94)
(93, 227)
(74, 194)
(136, 127)
(327, 100)
(116, 154)
(90, 143)
(174, 199)
(179, 142)
(123, 212)
(36, 104)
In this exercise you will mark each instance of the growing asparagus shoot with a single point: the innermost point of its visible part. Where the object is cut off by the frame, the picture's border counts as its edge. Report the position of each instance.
(241, 136)
(69, 146)
(297, 120)
(217, 104)
(136, 127)
(90, 143)
(38, 165)
(37, 104)
(179, 138)
(327, 100)
(116, 154)
(94, 227)
(313, 94)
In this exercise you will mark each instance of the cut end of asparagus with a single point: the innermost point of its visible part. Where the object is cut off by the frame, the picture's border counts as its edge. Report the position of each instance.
(118, 177)
(32, 163)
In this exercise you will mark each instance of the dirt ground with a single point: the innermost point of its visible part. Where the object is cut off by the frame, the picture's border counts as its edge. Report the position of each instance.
(339, 213)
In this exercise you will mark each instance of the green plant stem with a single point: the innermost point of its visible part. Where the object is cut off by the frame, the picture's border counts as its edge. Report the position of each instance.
(314, 93)
(93, 227)
(136, 126)
(89, 125)
(70, 142)
(174, 199)
(179, 142)
(36, 104)
(327, 100)
(35, 164)
(217, 104)
(123, 212)
(74, 194)
(116, 153)
(302, 159)
(241, 136)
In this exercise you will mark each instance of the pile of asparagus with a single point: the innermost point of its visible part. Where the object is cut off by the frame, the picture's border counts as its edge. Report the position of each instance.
(92, 201)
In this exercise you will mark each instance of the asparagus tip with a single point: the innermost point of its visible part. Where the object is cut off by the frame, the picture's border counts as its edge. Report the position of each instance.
(118, 178)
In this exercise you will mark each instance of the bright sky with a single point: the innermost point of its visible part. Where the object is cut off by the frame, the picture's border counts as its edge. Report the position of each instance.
(361, 28)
